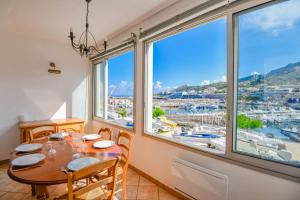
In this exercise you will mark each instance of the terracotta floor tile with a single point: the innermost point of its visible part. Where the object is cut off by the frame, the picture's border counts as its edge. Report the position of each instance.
(3, 167)
(164, 195)
(14, 196)
(138, 188)
(144, 181)
(132, 179)
(8, 186)
(2, 193)
(18, 187)
(57, 190)
(131, 191)
(29, 197)
(147, 192)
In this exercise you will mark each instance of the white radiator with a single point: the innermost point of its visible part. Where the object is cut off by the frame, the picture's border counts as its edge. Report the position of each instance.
(199, 182)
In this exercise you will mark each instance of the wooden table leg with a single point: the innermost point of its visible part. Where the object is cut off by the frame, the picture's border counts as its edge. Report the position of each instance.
(41, 192)
(33, 193)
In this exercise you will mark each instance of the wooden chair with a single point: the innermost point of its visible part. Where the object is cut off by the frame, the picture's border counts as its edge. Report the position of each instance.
(124, 140)
(105, 133)
(41, 132)
(104, 188)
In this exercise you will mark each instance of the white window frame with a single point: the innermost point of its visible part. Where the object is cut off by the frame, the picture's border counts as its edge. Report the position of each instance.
(148, 73)
(247, 160)
(104, 60)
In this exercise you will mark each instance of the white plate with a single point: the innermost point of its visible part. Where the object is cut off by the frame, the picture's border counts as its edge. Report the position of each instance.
(28, 147)
(91, 137)
(28, 160)
(104, 144)
(80, 163)
(58, 135)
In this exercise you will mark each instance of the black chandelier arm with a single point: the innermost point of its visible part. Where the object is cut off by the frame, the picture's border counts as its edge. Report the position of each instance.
(74, 45)
(94, 49)
(82, 46)
(80, 38)
(96, 45)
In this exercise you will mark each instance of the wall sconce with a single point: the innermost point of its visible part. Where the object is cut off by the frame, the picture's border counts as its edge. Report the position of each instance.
(53, 69)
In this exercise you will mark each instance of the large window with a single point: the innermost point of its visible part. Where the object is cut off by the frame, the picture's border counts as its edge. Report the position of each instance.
(229, 85)
(114, 89)
(187, 87)
(268, 82)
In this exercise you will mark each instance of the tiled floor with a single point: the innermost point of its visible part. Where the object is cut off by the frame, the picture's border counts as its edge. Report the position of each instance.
(138, 187)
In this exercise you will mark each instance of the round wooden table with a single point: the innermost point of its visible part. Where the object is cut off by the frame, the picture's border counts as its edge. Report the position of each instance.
(49, 171)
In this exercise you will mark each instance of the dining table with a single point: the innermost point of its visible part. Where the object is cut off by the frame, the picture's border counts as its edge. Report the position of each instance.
(52, 170)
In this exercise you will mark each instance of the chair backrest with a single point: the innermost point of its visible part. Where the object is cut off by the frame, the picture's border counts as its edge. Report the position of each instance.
(124, 140)
(105, 133)
(107, 184)
(41, 132)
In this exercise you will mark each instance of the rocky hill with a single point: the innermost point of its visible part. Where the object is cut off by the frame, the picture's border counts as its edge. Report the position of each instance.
(287, 75)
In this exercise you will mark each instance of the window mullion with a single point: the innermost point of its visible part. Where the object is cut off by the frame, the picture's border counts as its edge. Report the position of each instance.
(149, 80)
(105, 102)
(230, 86)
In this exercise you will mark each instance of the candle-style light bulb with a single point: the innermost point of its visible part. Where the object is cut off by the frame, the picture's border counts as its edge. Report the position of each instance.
(71, 30)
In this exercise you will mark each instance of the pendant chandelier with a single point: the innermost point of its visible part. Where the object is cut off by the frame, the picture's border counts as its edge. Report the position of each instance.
(83, 47)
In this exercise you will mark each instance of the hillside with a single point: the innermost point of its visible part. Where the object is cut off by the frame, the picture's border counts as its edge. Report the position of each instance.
(287, 75)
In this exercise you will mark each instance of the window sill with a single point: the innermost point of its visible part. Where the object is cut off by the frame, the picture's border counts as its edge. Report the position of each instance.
(187, 145)
(235, 160)
(114, 124)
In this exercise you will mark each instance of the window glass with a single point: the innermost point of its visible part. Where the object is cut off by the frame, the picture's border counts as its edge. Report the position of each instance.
(186, 101)
(268, 85)
(121, 89)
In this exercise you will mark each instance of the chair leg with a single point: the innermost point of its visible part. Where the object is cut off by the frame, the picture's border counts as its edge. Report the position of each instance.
(124, 186)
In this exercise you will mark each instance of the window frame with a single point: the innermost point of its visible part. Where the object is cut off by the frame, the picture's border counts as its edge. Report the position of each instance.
(146, 90)
(104, 60)
(246, 160)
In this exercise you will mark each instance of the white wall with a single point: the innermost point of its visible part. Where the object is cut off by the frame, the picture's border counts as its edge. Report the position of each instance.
(26, 87)
(155, 157)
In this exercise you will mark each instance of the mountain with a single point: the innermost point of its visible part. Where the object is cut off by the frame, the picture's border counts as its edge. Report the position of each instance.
(287, 75)
(219, 86)
(255, 77)
(252, 80)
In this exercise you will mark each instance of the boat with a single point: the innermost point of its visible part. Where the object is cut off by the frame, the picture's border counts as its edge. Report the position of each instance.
(295, 136)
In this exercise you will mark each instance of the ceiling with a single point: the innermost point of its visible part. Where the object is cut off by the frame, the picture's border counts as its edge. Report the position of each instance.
(52, 19)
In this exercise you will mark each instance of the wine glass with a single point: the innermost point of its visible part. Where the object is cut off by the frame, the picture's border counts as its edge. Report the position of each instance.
(51, 151)
(76, 146)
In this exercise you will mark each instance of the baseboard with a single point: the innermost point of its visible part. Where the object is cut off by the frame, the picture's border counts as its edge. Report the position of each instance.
(160, 184)
(2, 162)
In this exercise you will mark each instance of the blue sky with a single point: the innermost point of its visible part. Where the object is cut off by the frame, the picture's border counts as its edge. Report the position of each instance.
(268, 39)
(192, 57)
(121, 74)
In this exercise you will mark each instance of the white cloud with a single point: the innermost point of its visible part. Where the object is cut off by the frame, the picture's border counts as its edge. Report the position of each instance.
(205, 82)
(254, 73)
(273, 19)
(223, 78)
(123, 83)
(123, 88)
(157, 85)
